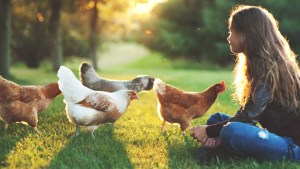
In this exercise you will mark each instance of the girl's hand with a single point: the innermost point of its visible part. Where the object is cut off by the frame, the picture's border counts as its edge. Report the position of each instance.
(199, 132)
(211, 142)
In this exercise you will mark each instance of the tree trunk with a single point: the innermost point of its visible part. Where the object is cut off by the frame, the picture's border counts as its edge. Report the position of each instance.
(36, 47)
(55, 34)
(5, 28)
(94, 35)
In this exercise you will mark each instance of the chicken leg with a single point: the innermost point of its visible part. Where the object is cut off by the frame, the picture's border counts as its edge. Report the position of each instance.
(163, 126)
(91, 129)
(36, 129)
(77, 131)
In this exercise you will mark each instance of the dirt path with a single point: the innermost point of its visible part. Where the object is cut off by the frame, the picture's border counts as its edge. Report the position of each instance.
(114, 54)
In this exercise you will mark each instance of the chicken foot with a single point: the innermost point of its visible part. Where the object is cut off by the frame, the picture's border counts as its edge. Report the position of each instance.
(36, 129)
(92, 135)
(91, 129)
(77, 131)
(163, 126)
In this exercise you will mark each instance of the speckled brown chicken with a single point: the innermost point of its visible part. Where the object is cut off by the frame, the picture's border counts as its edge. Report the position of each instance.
(23, 103)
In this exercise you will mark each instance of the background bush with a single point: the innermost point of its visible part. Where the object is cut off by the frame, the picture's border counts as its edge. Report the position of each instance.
(197, 30)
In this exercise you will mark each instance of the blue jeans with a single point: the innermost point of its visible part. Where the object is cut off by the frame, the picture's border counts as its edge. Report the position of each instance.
(246, 140)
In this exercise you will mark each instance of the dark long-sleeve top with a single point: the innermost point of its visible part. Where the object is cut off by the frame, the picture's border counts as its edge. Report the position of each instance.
(272, 116)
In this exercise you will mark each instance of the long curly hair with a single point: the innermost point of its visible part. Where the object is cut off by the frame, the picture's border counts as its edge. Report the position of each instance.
(266, 59)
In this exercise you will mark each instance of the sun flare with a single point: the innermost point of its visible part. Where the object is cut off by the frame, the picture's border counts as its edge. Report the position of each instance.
(146, 7)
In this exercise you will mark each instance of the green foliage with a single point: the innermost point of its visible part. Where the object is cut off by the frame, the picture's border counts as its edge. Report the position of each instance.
(34, 32)
(197, 30)
(74, 44)
(5, 22)
(172, 26)
(31, 35)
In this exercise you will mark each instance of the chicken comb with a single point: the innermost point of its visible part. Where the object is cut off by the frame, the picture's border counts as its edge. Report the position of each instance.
(223, 85)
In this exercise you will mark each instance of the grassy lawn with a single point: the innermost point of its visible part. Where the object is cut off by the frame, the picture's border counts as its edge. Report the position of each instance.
(134, 141)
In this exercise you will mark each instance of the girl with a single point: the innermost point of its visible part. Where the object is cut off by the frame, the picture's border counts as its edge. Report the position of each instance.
(267, 86)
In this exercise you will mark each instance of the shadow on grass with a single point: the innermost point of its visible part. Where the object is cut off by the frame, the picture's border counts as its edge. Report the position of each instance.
(9, 138)
(181, 149)
(184, 151)
(86, 152)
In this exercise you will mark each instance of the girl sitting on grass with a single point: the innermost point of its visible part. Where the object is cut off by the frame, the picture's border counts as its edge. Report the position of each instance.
(267, 86)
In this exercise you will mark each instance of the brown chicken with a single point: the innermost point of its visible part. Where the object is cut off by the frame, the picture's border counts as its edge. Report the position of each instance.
(22, 103)
(177, 106)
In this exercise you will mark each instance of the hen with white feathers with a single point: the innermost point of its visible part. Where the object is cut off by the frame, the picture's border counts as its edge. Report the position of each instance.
(89, 108)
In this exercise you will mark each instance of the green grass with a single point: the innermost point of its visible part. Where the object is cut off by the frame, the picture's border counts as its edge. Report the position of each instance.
(134, 141)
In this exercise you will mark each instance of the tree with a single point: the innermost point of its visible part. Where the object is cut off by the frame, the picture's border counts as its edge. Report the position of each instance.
(5, 19)
(94, 34)
(29, 34)
(175, 29)
(105, 16)
(57, 29)
(55, 34)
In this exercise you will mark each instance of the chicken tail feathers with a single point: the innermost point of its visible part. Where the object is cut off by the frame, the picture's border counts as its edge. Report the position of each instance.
(70, 86)
(159, 86)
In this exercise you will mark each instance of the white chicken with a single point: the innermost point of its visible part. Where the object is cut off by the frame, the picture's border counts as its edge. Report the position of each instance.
(86, 107)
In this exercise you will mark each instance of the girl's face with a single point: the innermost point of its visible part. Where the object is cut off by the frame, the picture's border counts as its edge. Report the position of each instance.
(235, 41)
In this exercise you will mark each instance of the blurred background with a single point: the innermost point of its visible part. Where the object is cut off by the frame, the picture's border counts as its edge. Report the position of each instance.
(106, 32)
(182, 42)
